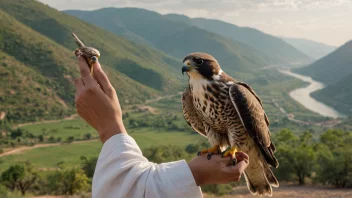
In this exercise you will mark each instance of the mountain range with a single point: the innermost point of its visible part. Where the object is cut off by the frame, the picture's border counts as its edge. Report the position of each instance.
(175, 38)
(272, 46)
(335, 70)
(178, 35)
(141, 52)
(331, 68)
(313, 49)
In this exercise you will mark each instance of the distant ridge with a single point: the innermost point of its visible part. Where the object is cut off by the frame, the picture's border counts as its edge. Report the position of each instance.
(175, 38)
(331, 68)
(268, 44)
(313, 49)
(335, 70)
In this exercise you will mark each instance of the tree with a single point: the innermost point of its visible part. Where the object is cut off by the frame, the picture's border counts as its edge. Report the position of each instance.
(87, 136)
(20, 176)
(5, 124)
(68, 181)
(51, 139)
(165, 153)
(16, 133)
(335, 158)
(41, 138)
(295, 155)
(133, 123)
(88, 165)
(70, 139)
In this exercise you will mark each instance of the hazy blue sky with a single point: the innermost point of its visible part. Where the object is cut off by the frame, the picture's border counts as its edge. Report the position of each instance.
(327, 21)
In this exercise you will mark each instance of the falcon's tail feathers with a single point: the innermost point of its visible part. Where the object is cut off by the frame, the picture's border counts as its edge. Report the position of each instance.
(260, 179)
(270, 176)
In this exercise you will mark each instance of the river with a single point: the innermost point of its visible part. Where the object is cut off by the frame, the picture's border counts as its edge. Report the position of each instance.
(302, 95)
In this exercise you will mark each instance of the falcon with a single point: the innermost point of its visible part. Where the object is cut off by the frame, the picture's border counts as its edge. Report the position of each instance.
(229, 113)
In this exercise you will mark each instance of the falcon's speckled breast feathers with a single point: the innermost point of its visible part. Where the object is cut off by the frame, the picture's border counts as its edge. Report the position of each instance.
(230, 113)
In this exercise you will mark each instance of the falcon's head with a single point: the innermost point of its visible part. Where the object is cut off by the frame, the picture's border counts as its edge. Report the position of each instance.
(201, 65)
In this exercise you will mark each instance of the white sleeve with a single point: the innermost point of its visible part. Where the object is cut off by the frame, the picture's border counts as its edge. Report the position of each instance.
(122, 171)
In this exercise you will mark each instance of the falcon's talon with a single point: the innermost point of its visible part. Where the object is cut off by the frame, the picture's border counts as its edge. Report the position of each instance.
(234, 161)
(209, 156)
(230, 152)
(213, 150)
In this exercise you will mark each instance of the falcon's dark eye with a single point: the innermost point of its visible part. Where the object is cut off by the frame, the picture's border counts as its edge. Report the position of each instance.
(94, 58)
(198, 61)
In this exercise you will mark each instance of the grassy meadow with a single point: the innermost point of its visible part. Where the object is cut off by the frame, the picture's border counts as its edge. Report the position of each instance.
(50, 157)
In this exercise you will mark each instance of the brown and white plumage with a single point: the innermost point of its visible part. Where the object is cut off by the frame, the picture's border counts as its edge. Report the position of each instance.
(89, 53)
(230, 113)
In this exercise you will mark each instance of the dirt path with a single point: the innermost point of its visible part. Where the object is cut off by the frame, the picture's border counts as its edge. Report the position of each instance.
(283, 191)
(293, 192)
(71, 117)
(26, 148)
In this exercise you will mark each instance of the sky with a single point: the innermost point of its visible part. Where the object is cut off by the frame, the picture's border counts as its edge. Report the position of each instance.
(326, 21)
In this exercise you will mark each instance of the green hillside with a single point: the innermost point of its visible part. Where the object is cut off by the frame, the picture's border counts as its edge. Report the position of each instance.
(270, 45)
(26, 86)
(175, 38)
(338, 95)
(163, 70)
(38, 73)
(313, 49)
(331, 68)
(37, 65)
(335, 70)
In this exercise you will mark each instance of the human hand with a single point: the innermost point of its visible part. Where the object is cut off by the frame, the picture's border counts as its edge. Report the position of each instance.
(216, 170)
(97, 102)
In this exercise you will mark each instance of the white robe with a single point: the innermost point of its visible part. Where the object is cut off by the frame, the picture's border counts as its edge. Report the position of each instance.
(122, 171)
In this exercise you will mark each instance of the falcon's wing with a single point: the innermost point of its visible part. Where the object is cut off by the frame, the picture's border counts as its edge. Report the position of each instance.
(190, 114)
(252, 115)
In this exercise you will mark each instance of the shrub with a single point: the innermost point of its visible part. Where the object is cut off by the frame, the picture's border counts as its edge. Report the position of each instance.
(70, 139)
(68, 181)
(217, 189)
(87, 136)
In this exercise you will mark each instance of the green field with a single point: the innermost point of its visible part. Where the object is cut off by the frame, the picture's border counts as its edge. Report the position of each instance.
(70, 153)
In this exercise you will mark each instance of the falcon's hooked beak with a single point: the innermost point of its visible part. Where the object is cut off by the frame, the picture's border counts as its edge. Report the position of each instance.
(187, 66)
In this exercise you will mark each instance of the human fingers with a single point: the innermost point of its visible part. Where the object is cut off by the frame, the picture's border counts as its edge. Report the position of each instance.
(88, 80)
(240, 156)
(83, 66)
(234, 173)
(103, 80)
(79, 84)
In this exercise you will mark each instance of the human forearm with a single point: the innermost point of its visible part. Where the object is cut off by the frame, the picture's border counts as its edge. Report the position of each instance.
(122, 171)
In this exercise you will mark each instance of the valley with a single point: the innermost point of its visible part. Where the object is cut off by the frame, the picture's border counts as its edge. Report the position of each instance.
(302, 95)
